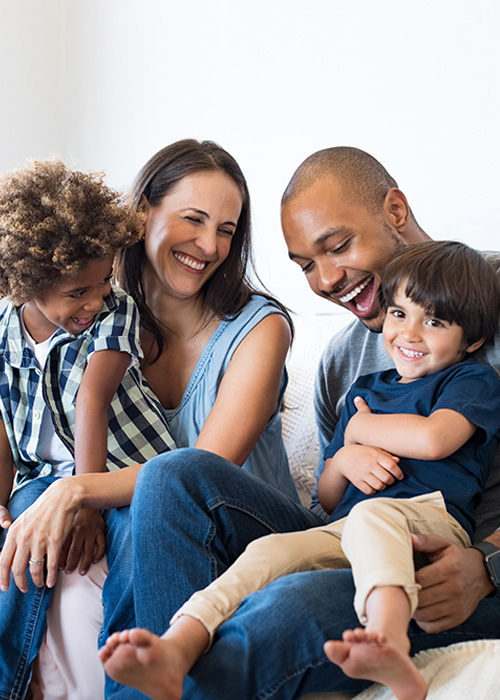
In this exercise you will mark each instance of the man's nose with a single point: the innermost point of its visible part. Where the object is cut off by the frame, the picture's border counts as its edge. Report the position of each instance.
(328, 277)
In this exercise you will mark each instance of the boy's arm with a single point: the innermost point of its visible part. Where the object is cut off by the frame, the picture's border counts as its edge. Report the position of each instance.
(100, 382)
(6, 476)
(101, 379)
(408, 435)
(370, 469)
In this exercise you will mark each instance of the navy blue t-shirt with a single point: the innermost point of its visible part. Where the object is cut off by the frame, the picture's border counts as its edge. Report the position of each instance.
(470, 388)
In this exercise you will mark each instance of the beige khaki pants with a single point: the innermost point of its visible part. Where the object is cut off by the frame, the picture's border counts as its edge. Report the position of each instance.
(374, 540)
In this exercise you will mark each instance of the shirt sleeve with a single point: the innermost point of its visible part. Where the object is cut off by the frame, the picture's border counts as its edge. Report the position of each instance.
(474, 391)
(118, 329)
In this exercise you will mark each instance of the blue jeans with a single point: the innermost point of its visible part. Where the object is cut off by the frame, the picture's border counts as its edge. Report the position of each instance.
(193, 513)
(23, 615)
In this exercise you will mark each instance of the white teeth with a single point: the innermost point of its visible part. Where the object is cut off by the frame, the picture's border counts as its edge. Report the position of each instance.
(190, 262)
(354, 292)
(412, 353)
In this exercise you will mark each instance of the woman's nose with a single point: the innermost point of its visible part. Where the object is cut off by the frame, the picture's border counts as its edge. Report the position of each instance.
(206, 240)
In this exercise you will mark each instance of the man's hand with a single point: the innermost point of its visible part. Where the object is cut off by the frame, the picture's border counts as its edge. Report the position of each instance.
(452, 584)
(85, 544)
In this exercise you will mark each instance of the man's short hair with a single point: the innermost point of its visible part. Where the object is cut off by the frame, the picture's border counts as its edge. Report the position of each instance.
(365, 181)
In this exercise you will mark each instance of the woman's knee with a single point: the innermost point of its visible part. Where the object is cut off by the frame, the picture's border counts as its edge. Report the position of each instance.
(184, 469)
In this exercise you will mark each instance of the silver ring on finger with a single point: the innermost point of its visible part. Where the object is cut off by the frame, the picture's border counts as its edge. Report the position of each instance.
(36, 562)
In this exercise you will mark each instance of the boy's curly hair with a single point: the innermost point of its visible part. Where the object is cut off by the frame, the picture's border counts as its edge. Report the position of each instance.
(53, 221)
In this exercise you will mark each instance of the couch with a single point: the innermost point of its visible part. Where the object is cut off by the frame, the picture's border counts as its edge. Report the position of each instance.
(466, 670)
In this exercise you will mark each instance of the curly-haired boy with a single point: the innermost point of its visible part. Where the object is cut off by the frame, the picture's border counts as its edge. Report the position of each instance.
(72, 397)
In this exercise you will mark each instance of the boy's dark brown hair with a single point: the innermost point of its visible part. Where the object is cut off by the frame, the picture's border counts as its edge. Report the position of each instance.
(451, 281)
(53, 222)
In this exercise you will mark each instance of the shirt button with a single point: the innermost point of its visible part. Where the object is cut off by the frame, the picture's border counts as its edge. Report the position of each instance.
(37, 415)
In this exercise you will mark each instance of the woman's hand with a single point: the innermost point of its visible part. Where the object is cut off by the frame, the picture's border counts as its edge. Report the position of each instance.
(38, 535)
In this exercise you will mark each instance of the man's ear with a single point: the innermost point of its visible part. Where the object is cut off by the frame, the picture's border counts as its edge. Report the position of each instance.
(396, 209)
(475, 346)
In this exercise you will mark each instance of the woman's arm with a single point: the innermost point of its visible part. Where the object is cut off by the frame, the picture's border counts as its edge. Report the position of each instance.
(43, 528)
(249, 391)
(407, 435)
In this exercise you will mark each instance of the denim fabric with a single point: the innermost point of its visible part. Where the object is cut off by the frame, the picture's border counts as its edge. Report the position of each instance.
(22, 615)
(193, 513)
(272, 649)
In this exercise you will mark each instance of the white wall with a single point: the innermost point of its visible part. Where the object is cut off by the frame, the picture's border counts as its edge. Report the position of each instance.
(414, 82)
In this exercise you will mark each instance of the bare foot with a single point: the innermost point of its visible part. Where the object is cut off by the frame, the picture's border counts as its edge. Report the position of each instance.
(369, 655)
(144, 661)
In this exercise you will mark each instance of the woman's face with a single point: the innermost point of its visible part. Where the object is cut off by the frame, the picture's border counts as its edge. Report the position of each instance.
(188, 235)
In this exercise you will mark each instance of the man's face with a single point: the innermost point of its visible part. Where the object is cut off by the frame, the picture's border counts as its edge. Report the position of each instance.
(341, 247)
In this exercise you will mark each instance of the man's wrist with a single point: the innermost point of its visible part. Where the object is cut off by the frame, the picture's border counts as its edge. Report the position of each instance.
(491, 559)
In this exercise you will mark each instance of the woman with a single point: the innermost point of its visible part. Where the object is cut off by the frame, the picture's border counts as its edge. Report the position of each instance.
(215, 353)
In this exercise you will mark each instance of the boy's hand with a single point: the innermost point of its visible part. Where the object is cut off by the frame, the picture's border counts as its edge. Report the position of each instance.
(370, 469)
(5, 519)
(85, 544)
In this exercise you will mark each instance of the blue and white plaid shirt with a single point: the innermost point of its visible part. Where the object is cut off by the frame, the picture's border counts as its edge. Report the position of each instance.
(137, 429)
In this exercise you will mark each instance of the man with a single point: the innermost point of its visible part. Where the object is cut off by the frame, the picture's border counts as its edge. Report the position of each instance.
(343, 218)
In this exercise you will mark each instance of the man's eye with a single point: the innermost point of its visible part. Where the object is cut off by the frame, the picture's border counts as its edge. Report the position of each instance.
(306, 268)
(194, 218)
(342, 247)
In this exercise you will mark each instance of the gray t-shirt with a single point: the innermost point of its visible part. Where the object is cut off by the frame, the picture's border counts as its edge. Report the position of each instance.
(356, 351)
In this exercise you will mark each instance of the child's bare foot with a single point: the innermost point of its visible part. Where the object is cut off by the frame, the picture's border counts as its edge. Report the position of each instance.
(369, 655)
(144, 661)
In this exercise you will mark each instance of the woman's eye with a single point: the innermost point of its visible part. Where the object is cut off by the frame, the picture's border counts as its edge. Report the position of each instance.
(196, 220)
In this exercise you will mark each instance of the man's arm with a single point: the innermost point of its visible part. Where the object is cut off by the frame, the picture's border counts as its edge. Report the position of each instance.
(421, 437)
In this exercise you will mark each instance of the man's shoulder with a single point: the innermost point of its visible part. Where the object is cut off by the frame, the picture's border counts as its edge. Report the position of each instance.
(357, 349)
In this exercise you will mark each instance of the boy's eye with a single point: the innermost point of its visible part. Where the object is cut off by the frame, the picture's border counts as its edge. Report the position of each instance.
(435, 323)
(396, 313)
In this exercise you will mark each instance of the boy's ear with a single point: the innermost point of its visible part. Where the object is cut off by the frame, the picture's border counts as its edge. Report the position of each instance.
(475, 346)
